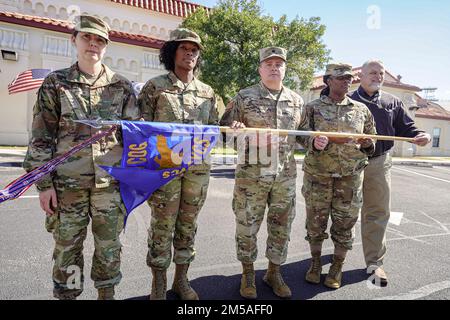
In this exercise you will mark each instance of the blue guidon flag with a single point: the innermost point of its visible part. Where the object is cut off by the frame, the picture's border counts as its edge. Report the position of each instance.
(155, 153)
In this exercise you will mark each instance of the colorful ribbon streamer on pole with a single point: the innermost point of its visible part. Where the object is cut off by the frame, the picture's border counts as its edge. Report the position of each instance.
(16, 188)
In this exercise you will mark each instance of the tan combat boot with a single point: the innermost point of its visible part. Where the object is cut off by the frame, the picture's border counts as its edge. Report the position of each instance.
(274, 280)
(248, 286)
(315, 270)
(181, 284)
(106, 293)
(334, 276)
(159, 284)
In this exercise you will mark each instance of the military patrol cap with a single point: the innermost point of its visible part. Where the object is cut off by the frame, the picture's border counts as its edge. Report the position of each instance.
(94, 25)
(183, 34)
(271, 52)
(338, 69)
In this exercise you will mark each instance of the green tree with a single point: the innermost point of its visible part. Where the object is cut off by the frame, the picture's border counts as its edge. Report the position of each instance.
(234, 31)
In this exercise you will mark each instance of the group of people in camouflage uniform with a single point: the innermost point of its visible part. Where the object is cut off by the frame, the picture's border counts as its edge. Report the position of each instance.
(79, 191)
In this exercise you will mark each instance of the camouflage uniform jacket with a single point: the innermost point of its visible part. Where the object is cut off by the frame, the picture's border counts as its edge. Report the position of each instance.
(257, 107)
(67, 95)
(336, 160)
(167, 99)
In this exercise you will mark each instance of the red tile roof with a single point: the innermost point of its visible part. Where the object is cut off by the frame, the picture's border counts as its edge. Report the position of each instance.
(177, 8)
(66, 27)
(390, 81)
(433, 111)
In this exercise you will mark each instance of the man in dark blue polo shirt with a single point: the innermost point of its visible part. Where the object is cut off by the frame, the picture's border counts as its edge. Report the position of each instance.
(391, 119)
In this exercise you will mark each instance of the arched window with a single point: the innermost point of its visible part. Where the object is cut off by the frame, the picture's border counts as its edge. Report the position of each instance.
(51, 12)
(126, 27)
(133, 66)
(136, 29)
(108, 61)
(121, 64)
(63, 14)
(116, 24)
(145, 30)
(39, 9)
(27, 7)
(106, 19)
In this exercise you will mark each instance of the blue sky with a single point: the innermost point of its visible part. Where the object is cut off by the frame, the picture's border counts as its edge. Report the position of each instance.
(411, 37)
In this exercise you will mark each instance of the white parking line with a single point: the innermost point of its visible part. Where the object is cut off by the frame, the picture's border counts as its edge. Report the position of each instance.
(406, 221)
(419, 293)
(437, 221)
(423, 175)
(404, 236)
(28, 197)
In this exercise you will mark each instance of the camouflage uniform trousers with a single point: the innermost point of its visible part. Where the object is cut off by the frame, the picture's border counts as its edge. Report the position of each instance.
(69, 228)
(339, 197)
(175, 208)
(253, 192)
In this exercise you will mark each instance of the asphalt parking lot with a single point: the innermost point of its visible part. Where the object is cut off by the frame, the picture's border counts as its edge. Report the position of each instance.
(417, 261)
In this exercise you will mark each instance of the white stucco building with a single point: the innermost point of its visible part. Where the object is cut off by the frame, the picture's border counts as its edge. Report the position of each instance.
(38, 33)
(434, 119)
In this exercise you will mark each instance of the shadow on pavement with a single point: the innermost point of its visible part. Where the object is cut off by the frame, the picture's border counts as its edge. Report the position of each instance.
(218, 287)
(11, 164)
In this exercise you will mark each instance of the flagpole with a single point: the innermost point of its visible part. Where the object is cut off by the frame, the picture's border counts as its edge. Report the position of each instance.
(223, 129)
(316, 133)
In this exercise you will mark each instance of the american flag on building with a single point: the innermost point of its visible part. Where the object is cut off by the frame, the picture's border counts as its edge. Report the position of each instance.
(28, 80)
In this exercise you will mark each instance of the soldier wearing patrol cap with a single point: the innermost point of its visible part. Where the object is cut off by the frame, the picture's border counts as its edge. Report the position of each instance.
(261, 184)
(92, 25)
(79, 190)
(333, 170)
(177, 97)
